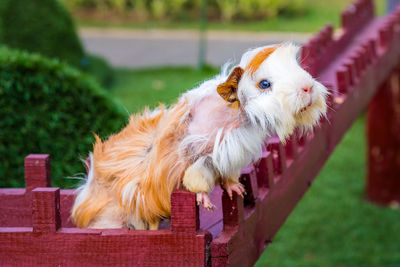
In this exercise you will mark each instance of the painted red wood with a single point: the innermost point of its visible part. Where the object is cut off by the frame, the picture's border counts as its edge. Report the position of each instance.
(15, 207)
(352, 62)
(46, 209)
(67, 198)
(233, 210)
(383, 130)
(369, 66)
(264, 170)
(184, 212)
(270, 210)
(42, 241)
(122, 247)
(37, 171)
(249, 180)
(291, 148)
(343, 80)
(278, 156)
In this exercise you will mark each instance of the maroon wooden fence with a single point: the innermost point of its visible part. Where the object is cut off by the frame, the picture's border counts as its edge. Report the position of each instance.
(359, 62)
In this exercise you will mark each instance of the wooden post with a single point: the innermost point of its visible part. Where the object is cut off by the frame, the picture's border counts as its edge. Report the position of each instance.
(264, 171)
(232, 210)
(278, 155)
(383, 128)
(184, 212)
(37, 171)
(249, 180)
(291, 148)
(342, 80)
(46, 209)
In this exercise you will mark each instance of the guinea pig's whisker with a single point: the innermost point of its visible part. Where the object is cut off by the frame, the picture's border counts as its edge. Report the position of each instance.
(331, 108)
(79, 176)
(207, 137)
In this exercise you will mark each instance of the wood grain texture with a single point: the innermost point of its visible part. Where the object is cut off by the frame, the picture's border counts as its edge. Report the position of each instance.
(265, 177)
(46, 209)
(357, 63)
(383, 129)
(278, 155)
(37, 171)
(184, 212)
(23, 247)
(368, 66)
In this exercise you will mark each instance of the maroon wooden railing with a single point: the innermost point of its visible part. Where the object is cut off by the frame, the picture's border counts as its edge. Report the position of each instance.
(36, 229)
(356, 62)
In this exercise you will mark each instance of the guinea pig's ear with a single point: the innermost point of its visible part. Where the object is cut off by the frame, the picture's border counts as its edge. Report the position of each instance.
(228, 89)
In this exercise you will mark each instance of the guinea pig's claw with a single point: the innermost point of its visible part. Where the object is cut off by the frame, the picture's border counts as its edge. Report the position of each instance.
(238, 188)
(210, 208)
(203, 198)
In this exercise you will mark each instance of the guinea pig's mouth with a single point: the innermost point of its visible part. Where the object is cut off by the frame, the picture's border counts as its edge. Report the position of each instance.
(307, 104)
(305, 107)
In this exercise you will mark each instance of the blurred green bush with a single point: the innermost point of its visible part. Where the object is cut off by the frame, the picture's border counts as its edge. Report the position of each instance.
(49, 107)
(225, 10)
(99, 69)
(41, 26)
(45, 27)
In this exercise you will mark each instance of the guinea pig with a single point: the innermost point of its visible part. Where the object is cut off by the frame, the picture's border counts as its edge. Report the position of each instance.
(206, 138)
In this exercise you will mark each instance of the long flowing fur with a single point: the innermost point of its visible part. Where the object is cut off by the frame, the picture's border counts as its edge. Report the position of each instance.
(135, 170)
(203, 140)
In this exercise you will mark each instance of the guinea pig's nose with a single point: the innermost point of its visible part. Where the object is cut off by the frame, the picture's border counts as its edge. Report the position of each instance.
(307, 89)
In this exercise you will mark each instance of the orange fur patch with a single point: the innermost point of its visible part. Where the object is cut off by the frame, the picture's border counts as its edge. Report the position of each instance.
(89, 209)
(144, 154)
(259, 58)
(228, 89)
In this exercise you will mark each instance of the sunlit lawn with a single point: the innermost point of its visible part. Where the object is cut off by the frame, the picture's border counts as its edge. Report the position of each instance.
(136, 89)
(333, 225)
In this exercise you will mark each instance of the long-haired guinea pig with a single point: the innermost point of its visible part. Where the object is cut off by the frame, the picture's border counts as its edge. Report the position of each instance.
(206, 138)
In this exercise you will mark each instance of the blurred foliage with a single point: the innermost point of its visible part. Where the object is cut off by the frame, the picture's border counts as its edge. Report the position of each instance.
(41, 26)
(300, 16)
(99, 69)
(225, 10)
(45, 27)
(49, 107)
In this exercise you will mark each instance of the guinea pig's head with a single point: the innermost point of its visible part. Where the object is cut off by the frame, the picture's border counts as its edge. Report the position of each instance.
(274, 92)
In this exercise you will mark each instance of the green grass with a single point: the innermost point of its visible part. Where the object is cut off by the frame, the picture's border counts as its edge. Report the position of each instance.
(136, 89)
(332, 225)
(318, 13)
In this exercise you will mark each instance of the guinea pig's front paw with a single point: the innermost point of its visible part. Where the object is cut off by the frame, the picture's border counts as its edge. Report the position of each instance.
(203, 198)
(234, 187)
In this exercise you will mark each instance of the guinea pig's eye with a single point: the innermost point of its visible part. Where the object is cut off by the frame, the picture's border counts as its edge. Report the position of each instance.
(264, 84)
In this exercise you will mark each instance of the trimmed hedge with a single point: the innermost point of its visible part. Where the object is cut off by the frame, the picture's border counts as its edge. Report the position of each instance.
(42, 26)
(99, 69)
(45, 27)
(49, 107)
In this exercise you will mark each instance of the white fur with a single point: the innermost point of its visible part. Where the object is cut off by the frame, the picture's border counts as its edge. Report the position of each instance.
(83, 192)
(134, 221)
(199, 169)
(264, 112)
(221, 139)
(128, 192)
